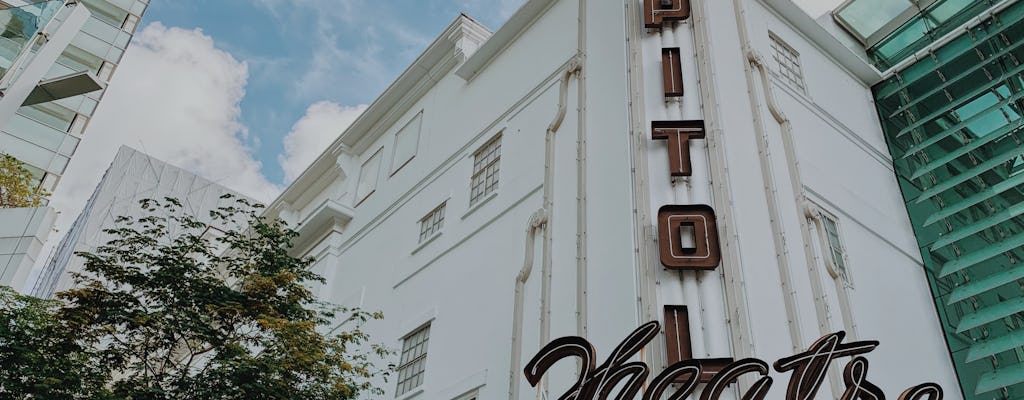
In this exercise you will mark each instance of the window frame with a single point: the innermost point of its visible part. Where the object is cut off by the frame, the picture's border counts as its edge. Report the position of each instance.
(792, 73)
(417, 359)
(833, 246)
(471, 395)
(482, 171)
(432, 223)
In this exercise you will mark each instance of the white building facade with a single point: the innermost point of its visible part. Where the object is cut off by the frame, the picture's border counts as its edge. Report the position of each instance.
(515, 187)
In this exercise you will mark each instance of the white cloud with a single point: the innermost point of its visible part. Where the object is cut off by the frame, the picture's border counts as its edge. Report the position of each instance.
(311, 135)
(176, 97)
(344, 50)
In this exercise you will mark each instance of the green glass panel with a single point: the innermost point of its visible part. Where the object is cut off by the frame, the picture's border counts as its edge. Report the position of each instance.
(954, 123)
(980, 286)
(995, 346)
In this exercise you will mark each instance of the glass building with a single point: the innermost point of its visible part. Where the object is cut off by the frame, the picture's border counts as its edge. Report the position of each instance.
(45, 134)
(951, 108)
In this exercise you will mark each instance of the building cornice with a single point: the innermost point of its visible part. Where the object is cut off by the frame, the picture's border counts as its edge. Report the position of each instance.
(516, 25)
(856, 64)
(462, 37)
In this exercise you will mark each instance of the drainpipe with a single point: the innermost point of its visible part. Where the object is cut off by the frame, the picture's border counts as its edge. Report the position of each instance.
(581, 178)
(800, 198)
(541, 217)
(770, 188)
(537, 220)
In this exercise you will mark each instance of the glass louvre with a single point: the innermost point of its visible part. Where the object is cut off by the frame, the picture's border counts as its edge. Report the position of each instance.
(954, 123)
(933, 22)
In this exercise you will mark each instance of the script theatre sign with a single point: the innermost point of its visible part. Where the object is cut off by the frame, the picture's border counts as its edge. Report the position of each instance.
(596, 382)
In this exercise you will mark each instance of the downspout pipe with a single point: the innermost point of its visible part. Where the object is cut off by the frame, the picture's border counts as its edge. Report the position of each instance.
(581, 177)
(541, 218)
(800, 201)
(538, 220)
(549, 187)
(770, 187)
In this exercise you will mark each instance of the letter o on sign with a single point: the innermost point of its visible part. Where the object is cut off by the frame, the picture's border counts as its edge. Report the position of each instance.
(688, 237)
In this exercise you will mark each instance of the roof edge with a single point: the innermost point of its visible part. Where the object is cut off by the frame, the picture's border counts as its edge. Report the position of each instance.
(460, 39)
(845, 56)
(519, 22)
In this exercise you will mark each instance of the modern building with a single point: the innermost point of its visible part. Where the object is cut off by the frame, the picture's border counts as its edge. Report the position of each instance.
(952, 113)
(131, 177)
(56, 57)
(22, 234)
(717, 166)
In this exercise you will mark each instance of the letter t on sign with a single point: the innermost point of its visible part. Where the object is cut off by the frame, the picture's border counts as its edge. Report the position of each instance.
(678, 134)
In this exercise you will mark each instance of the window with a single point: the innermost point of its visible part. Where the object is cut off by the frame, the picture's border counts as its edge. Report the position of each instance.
(835, 245)
(406, 142)
(368, 177)
(78, 124)
(485, 170)
(413, 362)
(474, 395)
(106, 71)
(432, 222)
(130, 22)
(788, 61)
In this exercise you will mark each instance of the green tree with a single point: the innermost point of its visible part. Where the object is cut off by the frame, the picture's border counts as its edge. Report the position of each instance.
(17, 186)
(172, 316)
(40, 356)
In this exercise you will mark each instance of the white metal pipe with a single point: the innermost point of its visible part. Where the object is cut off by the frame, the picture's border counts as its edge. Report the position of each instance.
(741, 333)
(537, 220)
(800, 199)
(949, 37)
(581, 177)
(546, 212)
(643, 231)
(770, 189)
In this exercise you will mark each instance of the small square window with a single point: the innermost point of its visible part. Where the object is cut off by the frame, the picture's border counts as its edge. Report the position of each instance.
(787, 61)
(432, 222)
(412, 364)
(486, 162)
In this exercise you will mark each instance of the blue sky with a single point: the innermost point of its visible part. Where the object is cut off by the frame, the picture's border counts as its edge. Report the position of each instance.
(302, 52)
